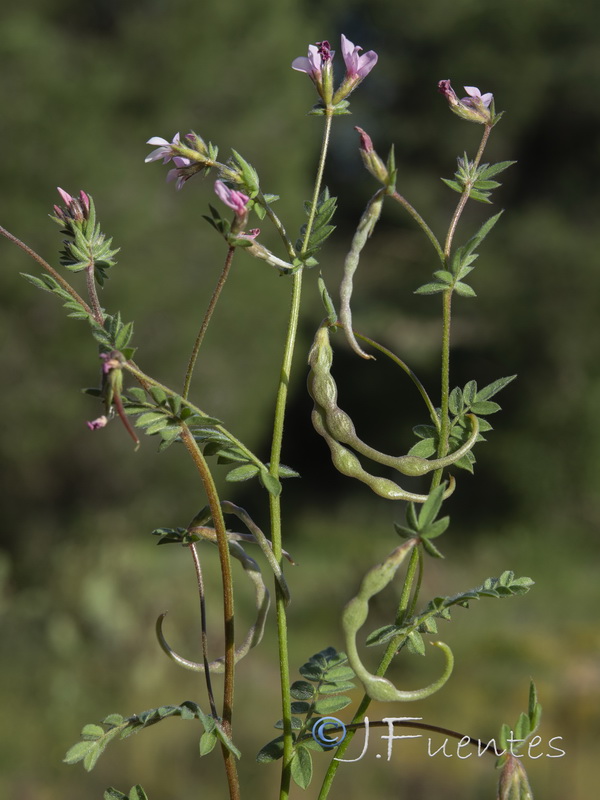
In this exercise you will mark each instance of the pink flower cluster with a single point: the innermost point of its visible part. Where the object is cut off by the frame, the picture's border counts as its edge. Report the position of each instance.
(317, 65)
(168, 152)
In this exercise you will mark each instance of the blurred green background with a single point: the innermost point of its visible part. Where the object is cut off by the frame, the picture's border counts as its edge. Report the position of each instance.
(83, 86)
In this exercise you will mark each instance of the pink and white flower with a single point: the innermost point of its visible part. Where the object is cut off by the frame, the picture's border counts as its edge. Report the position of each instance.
(357, 66)
(233, 198)
(475, 107)
(318, 55)
(318, 67)
(181, 172)
(165, 149)
(476, 99)
(96, 424)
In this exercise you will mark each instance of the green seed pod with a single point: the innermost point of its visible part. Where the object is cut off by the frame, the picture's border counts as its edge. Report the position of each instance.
(354, 617)
(348, 464)
(364, 230)
(336, 426)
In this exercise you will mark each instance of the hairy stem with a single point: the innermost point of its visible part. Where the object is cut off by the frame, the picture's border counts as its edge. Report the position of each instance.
(420, 221)
(447, 318)
(228, 607)
(44, 264)
(93, 292)
(205, 322)
(275, 502)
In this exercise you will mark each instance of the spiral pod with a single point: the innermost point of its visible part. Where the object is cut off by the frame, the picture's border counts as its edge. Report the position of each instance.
(354, 617)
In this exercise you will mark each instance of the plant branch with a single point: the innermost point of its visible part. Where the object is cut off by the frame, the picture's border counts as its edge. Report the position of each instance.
(204, 638)
(205, 322)
(228, 605)
(275, 502)
(45, 265)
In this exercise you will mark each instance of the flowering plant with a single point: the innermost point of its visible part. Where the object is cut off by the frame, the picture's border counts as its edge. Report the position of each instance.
(444, 449)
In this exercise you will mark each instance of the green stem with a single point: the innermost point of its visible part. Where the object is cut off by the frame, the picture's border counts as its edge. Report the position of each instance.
(278, 226)
(445, 384)
(228, 605)
(205, 322)
(447, 318)
(464, 196)
(420, 221)
(275, 502)
(390, 652)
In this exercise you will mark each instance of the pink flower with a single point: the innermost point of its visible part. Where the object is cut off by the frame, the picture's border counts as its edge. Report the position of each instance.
(318, 55)
(181, 172)
(318, 67)
(96, 424)
(165, 151)
(250, 236)
(475, 107)
(110, 362)
(357, 66)
(236, 200)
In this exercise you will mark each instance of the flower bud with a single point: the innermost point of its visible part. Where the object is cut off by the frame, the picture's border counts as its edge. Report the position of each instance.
(236, 200)
(513, 783)
(370, 158)
(75, 210)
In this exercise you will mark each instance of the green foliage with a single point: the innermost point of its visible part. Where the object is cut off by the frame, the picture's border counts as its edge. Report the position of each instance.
(114, 334)
(424, 525)
(95, 738)
(507, 585)
(49, 284)
(88, 247)
(515, 739)
(326, 675)
(476, 179)
(164, 414)
(461, 264)
(247, 176)
(462, 402)
(320, 231)
(136, 793)
(160, 413)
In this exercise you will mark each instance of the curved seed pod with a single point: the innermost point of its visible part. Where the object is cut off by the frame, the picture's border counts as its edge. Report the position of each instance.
(348, 464)
(253, 636)
(354, 617)
(364, 230)
(262, 541)
(342, 428)
(323, 390)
